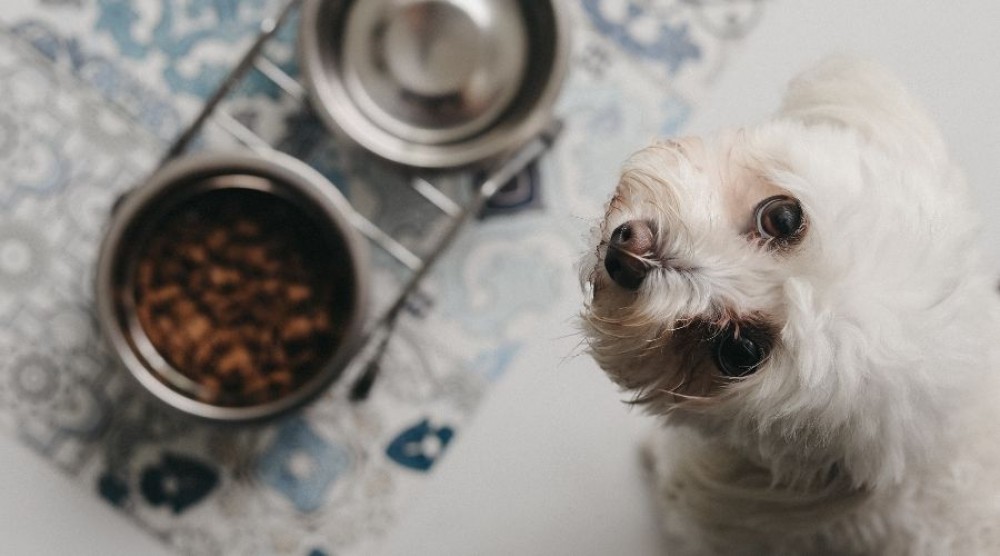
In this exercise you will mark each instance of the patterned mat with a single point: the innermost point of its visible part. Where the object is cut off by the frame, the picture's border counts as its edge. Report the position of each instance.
(95, 89)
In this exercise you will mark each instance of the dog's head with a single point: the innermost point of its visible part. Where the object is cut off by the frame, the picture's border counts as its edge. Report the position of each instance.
(785, 286)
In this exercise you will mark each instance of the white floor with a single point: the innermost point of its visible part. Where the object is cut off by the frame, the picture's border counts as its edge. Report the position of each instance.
(549, 467)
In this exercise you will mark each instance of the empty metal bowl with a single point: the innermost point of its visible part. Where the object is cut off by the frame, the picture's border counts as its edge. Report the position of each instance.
(435, 83)
(273, 181)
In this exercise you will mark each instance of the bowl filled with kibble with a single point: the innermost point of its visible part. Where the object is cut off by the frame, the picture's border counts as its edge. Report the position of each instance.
(232, 286)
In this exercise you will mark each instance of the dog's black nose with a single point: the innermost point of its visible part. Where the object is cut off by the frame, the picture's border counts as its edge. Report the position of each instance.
(628, 246)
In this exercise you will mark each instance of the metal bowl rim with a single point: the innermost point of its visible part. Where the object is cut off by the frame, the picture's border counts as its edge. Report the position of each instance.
(281, 168)
(501, 138)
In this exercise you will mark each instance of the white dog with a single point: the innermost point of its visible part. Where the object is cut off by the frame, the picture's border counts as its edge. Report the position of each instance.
(805, 304)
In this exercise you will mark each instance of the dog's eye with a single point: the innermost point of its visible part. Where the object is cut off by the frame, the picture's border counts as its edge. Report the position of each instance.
(779, 218)
(738, 355)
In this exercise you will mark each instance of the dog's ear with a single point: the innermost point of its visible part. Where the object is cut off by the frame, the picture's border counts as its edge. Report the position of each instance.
(860, 94)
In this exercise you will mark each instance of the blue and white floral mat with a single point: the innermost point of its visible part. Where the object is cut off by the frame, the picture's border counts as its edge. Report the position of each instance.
(92, 92)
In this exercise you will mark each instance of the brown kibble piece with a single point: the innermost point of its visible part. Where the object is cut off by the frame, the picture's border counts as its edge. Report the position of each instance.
(146, 273)
(271, 286)
(222, 277)
(195, 254)
(144, 312)
(203, 354)
(163, 324)
(255, 257)
(281, 379)
(224, 339)
(184, 309)
(177, 345)
(197, 328)
(235, 361)
(246, 229)
(297, 329)
(172, 271)
(256, 383)
(298, 293)
(211, 388)
(160, 298)
(198, 282)
(216, 240)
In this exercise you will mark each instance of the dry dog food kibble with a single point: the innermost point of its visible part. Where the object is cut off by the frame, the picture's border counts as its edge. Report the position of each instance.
(239, 292)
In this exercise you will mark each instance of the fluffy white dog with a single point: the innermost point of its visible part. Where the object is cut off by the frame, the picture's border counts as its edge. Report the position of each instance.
(805, 304)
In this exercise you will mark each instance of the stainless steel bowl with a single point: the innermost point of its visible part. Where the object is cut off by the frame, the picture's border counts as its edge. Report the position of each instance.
(435, 83)
(138, 216)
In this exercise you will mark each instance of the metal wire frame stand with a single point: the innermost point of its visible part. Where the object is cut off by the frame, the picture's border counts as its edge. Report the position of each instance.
(377, 336)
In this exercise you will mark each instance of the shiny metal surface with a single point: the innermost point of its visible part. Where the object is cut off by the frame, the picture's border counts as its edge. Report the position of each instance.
(182, 181)
(435, 83)
(434, 71)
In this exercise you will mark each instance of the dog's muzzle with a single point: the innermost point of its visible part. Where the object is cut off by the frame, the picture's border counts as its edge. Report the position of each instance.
(625, 259)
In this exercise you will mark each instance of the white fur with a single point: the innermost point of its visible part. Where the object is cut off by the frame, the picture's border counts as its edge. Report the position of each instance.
(874, 425)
